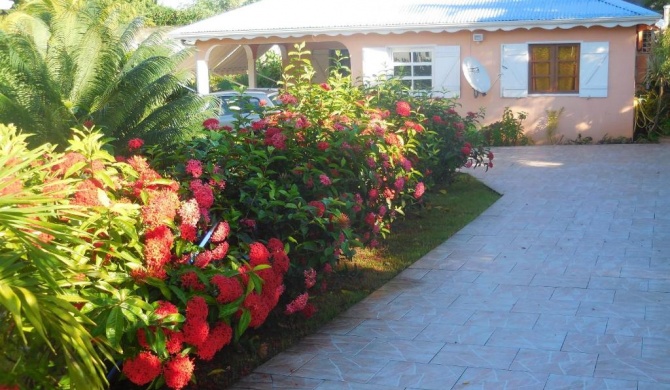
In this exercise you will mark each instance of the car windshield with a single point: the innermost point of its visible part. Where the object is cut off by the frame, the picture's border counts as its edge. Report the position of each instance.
(239, 104)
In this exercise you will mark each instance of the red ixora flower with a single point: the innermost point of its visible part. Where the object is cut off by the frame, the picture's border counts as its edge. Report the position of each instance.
(325, 86)
(211, 124)
(229, 289)
(319, 206)
(298, 304)
(178, 372)
(419, 190)
(402, 108)
(194, 168)
(135, 143)
(258, 254)
(325, 180)
(143, 368)
(221, 232)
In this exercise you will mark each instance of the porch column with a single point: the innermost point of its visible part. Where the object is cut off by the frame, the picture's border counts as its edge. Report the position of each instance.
(202, 76)
(252, 51)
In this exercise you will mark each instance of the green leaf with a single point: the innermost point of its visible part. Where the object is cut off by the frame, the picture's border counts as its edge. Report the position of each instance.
(179, 293)
(243, 324)
(114, 326)
(12, 303)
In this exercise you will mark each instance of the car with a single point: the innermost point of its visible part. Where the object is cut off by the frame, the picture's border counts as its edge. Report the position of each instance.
(240, 108)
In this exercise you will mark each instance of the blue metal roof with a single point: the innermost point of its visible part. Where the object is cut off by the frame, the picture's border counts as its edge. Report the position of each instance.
(297, 18)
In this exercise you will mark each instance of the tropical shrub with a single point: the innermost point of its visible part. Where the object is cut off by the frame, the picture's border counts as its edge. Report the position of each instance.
(115, 260)
(46, 342)
(508, 131)
(169, 256)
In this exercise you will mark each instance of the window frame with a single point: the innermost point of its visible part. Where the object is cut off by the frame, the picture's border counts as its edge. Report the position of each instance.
(412, 63)
(553, 68)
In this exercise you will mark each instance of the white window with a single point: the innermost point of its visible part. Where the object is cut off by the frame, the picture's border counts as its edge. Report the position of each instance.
(414, 68)
(421, 68)
(517, 78)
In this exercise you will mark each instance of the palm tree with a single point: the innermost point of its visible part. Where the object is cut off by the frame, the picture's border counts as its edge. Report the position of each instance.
(66, 62)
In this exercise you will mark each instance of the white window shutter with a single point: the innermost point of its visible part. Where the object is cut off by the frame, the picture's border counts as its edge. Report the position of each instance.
(514, 70)
(593, 69)
(446, 71)
(376, 63)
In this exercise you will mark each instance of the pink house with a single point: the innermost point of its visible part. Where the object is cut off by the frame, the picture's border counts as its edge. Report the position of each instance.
(581, 56)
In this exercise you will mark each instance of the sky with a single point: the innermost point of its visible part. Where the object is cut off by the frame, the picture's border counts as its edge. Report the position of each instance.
(176, 3)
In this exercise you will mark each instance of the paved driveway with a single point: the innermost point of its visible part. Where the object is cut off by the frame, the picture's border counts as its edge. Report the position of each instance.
(564, 283)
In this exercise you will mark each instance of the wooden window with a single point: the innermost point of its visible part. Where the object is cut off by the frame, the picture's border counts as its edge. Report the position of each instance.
(647, 41)
(553, 68)
(414, 68)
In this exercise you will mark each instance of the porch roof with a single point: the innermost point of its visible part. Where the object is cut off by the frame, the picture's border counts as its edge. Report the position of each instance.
(300, 18)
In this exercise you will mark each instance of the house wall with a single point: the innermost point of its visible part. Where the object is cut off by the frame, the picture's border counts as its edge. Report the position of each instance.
(594, 117)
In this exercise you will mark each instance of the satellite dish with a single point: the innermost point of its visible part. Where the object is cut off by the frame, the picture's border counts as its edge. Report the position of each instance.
(476, 75)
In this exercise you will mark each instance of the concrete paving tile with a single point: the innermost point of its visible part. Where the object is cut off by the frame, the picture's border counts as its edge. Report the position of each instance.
(611, 310)
(413, 273)
(582, 294)
(285, 363)
(438, 277)
(398, 285)
(507, 291)
(642, 297)
(633, 368)
(417, 375)
(341, 325)
(320, 343)
(542, 306)
(385, 329)
(652, 386)
(617, 283)
(271, 382)
(529, 339)
(502, 319)
(566, 382)
(616, 345)
(489, 302)
(455, 334)
(339, 385)
(341, 367)
(659, 285)
(655, 348)
(402, 350)
(657, 312)
(438, 264)
(475, 356)
(419, 300)
(489, 266)
(379, 311)
(597, 270)
(578, 324)
(492, 379)
(543, 267)
(555, 362)
(520, 278)
(560, 281)
(637, 327)
(465, 288)
(639, 272)
(436, 315)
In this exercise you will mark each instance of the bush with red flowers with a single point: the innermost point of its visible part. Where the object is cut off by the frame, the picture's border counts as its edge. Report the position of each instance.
(191, 247)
